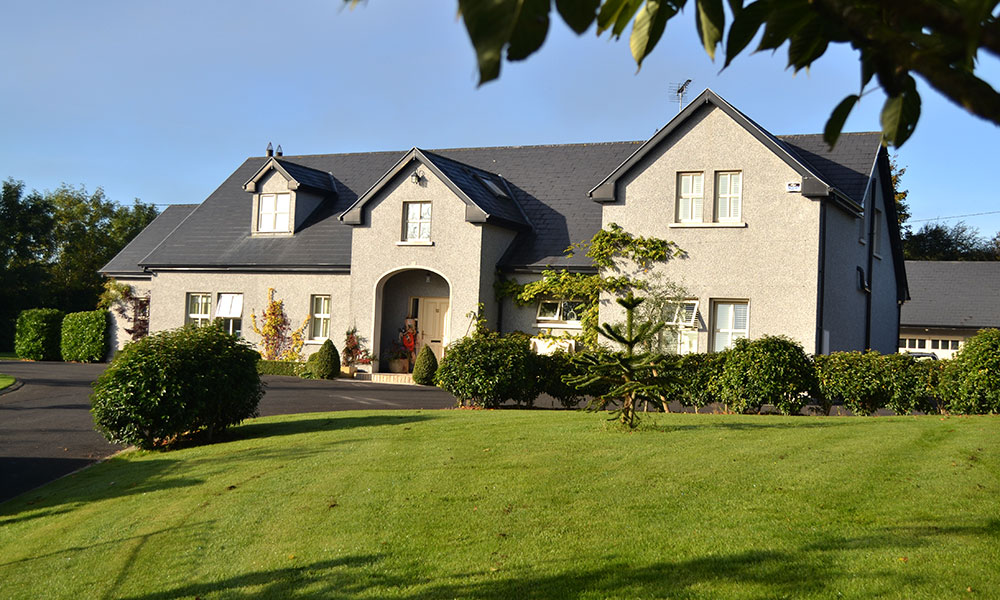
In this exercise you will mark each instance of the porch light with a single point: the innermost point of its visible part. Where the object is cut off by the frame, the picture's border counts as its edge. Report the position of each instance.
(417, 177)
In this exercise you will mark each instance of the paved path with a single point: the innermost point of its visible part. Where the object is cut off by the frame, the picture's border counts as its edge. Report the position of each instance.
(46, 430)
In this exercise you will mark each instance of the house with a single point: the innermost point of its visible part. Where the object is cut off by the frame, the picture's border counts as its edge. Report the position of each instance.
(952, 300)
(782, 235)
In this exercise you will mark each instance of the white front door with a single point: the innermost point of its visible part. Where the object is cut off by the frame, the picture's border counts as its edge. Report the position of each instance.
(432, 321)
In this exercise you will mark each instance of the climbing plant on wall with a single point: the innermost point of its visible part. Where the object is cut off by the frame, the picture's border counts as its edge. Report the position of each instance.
(624, 262)
(276, 342)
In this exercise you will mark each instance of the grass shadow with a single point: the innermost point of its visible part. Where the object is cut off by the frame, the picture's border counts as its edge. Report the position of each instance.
(317, 424)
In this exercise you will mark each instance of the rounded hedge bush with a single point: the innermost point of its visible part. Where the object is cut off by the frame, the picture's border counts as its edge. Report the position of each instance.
(85, 336)
(769, 370)
(177, 382)
(325, 363)
(38, 334)
(425, 367)
(970, 383)
(487, 369)
(697, 372)
(552, 371)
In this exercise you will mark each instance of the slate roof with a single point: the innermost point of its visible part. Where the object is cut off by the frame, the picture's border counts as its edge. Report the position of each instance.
(847, 166)
(549, 185)
(309, 177)
(952, 294)
(126, 262)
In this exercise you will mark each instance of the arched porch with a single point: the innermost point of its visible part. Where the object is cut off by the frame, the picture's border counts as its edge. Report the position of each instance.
(414, 297)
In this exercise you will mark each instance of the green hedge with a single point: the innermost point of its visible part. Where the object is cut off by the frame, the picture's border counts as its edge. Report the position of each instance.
(866, 382)
(176, 383)
(769, 370)
(85, 336)
(970, 384)
(487, 369)
(38, 334)
(279, 367)
(697, 374)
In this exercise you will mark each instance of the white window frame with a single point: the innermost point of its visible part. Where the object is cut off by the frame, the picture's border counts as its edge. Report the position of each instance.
(732, 200)
(270, 216)
(690, 205)
(319, 318)
(686, 320)
(559, 318)
(420, 222)
(728, 330)
(205, 302)
(229, 308)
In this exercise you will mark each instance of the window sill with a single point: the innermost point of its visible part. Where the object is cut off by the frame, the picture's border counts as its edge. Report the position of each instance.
(707, 225)
(558, 325)
(315, 342)
(414, 243)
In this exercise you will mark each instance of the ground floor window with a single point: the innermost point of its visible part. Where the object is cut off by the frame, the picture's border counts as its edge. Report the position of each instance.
(199, 308)
(925, 344)
(560, 312)
(319, 328)
(230, 310)
(731, 322)
(684, 339)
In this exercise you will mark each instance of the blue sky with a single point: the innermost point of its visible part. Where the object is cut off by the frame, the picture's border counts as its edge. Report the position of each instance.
(163, 100)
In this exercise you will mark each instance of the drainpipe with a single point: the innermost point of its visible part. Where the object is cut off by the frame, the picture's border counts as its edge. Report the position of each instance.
(869, 275)
(821, 284)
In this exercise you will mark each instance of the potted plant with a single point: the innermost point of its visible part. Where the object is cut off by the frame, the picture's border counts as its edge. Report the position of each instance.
(398, 358)
(354, 353)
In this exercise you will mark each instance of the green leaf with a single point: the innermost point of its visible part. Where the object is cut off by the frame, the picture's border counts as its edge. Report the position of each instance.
(530, 29)
(807, 44)
(745, 26)
(648, 28)
(710, 20)
(900, 114)
(489, 24)
(835, 124)
(782, 23)
(616, 15)
(578, 14)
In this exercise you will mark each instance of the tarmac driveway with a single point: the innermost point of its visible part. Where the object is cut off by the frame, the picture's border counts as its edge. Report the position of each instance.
(46, 430)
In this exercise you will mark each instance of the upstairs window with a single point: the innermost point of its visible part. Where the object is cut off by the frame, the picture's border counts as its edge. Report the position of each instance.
(272, 214)
(416, 221)
(728, 196)
(690, 197)
(560, 312)
(199, 308)
(230, 310)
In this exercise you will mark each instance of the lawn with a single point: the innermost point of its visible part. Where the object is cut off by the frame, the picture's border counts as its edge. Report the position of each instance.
(6, 381)
(526, 504)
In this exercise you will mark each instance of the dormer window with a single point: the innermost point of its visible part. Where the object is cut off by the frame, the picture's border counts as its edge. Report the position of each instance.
(416, 221)
(273, 211)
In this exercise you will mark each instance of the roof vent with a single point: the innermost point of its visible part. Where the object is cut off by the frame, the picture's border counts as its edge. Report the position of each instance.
(278, 152)
(269, 151)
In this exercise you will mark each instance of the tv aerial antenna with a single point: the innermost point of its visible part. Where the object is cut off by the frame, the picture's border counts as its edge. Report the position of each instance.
(680, 90)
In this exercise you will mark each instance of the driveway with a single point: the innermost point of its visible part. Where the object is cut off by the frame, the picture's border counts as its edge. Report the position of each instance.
(46, 430)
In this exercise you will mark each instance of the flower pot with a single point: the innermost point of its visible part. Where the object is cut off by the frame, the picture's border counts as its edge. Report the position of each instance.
(348, 371)
(399, 365)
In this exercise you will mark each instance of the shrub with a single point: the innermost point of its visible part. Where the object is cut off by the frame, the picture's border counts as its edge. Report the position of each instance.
(38, 333)
(868, 381)
(970, 384)
(552, 371)
(188, 380)
(487, 369)
(85, 336)
(769, 370)
(425, 367)
(697, 372)
(325, 362)
(929, 373)
(278, 367)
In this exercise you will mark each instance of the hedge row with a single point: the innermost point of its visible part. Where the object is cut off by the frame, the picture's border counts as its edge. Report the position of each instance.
(488, 369)
(48, 334)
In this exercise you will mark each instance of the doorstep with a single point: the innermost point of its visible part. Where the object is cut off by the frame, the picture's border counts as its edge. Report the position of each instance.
(400, 378)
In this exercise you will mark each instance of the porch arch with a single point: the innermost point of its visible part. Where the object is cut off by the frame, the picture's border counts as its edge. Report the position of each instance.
(394, 295)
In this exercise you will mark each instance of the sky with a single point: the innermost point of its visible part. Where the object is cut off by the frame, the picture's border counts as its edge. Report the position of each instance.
(161, 101)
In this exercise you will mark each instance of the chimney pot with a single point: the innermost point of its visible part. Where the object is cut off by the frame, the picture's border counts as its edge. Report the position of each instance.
(270, 150)
(278, 151)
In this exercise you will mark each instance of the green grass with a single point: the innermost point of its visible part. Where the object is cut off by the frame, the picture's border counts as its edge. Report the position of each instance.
(6, 381)
(526, 504)
(8, 356)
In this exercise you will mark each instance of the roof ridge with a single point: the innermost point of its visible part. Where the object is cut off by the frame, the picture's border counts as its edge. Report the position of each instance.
(573, 144)
(787, 135)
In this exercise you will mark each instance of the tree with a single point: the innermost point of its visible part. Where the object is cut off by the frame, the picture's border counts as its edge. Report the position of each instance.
(895, 40)
(88, 230)
(899, 195)
(936, 241)
(625, 377)
(25, 244)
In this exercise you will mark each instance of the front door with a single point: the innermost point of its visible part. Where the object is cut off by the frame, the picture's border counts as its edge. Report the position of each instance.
(432, 320)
